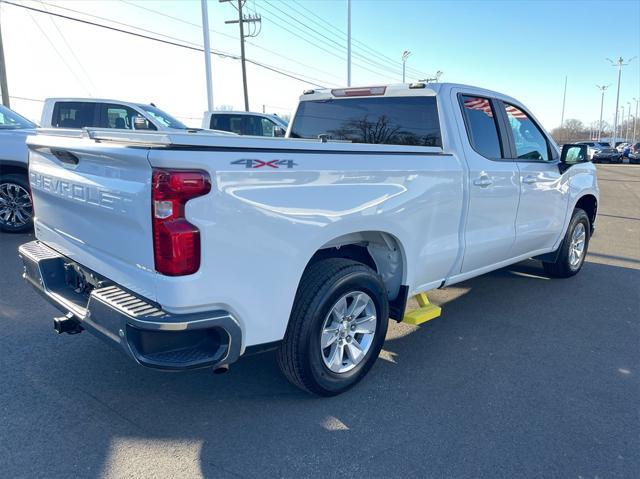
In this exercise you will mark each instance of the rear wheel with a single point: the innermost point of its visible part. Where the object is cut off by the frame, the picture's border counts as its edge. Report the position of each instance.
(337, 327)
(16, 207)
(574, 247)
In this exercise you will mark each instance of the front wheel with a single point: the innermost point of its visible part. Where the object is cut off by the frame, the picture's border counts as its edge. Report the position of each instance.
(16, 207)
(573, 248)
(337, 327)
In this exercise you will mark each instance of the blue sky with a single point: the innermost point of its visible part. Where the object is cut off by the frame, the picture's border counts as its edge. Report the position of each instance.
(522, 48)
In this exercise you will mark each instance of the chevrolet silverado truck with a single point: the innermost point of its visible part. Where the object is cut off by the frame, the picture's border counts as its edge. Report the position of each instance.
(189, 250)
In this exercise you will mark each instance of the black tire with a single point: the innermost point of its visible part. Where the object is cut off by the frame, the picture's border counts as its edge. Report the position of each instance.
(562, 267)
(8, 222)
(323, 284)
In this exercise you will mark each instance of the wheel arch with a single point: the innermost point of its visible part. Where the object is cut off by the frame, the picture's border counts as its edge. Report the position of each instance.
(588, 203)
(381, 251)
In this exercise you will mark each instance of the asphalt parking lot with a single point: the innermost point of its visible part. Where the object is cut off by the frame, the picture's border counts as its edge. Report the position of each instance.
(522, 376)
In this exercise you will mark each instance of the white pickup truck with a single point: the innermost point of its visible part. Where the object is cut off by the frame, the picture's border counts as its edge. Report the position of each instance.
(189, 250)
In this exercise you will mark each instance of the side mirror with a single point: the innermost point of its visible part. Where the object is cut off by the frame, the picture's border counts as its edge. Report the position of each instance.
(279, 132)
(140, 123)
(572, 155)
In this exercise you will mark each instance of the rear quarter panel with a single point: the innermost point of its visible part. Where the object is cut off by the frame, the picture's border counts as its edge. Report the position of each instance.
(260, 226)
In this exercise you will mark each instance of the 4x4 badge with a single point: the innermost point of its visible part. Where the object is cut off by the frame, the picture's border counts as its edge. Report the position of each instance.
(267, 164)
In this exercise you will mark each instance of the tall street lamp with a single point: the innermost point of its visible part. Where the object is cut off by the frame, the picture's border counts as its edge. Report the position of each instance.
(618, 63)
(602, 88)
(405, 55)
(635, 121)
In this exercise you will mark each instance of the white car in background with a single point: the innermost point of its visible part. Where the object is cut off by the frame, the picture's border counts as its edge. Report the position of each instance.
(16, 209)
(245, 123)
(99, 113)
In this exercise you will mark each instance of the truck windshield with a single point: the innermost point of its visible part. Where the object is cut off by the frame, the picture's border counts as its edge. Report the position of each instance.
(10, 120)
(382, 120)
(163, 118)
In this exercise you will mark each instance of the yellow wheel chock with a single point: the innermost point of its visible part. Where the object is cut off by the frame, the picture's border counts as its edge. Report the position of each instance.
(424, 313)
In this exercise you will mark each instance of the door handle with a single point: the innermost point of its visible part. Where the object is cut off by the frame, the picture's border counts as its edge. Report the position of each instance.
(529, 180)
(483, 181)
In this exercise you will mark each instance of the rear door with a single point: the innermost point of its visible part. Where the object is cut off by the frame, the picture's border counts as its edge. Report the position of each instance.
(493, 185)
(543, 193)
(93, 204)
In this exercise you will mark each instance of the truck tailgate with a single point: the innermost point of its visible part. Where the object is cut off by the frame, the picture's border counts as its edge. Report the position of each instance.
(93, 204)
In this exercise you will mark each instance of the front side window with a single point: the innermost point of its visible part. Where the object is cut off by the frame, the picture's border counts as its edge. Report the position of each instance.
(531, 144)
(267, 127)
(481, 126)
(382, 120)
(117, 116)
(72, 114)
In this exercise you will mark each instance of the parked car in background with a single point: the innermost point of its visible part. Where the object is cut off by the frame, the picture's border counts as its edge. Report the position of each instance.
(245, 123)
(607, 155)
(16, 208)
(592, 147)
(621, 145)
(94, 113)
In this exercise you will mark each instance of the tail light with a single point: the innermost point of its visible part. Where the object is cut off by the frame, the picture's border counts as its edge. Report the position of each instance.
(176, 242)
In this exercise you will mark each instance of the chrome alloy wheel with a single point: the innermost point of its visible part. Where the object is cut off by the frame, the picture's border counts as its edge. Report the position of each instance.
(576, 247)
(16, 208)
(348, 331)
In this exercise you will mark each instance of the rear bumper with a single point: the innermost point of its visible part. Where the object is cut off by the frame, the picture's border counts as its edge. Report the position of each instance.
(139, 327)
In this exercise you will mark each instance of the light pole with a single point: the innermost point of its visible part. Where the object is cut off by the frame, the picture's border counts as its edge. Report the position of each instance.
(618, 63)
(621, 126)
(602, 88)
(207, 54)
(635, 121)
(348, 42)
(564, 98)
(626, 136)
(405, 55)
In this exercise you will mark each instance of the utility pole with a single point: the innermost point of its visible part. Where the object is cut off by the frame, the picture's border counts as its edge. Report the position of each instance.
(348, 42)
(4, 87)
(405, 55)
(564, 99)
(242, 19)
(602, 88)
(618, 63)
(207, 54)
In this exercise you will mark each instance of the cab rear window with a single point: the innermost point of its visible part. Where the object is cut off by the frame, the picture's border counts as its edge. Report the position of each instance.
(386, 120)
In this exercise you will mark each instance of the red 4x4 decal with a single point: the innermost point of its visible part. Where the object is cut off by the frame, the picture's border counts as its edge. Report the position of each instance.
(268, 164)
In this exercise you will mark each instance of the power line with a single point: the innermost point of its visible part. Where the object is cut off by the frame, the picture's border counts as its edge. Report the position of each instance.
(64, 39)
(339, 44)
(71, 70)
(198, 26)
(362, 45)
(295, 76)
(26, 98)
(312, 40)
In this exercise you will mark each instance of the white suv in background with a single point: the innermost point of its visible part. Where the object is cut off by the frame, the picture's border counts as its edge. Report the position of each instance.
(98, 113)
(245, 123)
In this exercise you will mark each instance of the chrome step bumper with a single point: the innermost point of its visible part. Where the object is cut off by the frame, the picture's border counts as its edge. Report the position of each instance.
(149, 335)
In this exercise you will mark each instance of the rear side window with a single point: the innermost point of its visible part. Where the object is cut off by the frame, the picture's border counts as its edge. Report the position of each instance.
(382, 120)
(71, 114)
(481, 126)
(232, 123)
